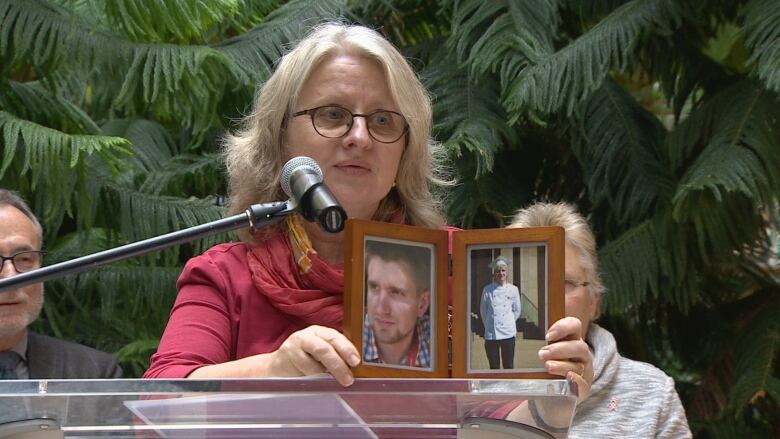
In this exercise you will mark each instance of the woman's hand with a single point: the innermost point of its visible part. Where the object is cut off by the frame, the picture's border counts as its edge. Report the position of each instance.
(314, 350)
(310, 351)
(568, 355)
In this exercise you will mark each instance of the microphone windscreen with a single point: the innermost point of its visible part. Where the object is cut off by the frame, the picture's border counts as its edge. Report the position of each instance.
(293, 165)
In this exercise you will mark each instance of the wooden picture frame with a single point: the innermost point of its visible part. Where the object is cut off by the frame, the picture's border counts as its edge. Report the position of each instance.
(392, 253)
(536, 258)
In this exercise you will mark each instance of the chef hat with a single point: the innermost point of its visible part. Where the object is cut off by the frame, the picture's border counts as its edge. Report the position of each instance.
(500, 261)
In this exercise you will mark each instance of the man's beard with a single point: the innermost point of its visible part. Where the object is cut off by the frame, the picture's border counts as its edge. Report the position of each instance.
(388, 337)
(10, 325)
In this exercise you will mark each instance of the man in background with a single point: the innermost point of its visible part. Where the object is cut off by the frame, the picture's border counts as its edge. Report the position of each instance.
(397, 327)
(23, 353)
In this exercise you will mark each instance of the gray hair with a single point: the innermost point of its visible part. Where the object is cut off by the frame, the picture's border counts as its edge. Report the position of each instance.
(11, 198)
(578, 235)
(254, 154)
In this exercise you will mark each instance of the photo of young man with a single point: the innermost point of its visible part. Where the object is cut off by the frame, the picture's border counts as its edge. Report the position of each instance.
(397, 320)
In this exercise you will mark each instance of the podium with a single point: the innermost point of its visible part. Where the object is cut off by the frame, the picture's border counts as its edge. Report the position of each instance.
(312, 407)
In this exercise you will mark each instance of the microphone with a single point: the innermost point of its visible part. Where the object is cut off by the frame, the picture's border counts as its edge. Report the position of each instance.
(302, 182)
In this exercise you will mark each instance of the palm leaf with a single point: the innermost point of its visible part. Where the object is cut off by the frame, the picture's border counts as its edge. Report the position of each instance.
(762, 34)
(182, 168)
(255, 52)
(134, 356)
(169, 21)
(662, 267)
(627, 288)
(741, 155)
(618, 144)
(163, 214)
(33, 102)
(756, 352)
(503, 36)
(251, 13)
(54, 160)
(564, 79)
(48, 35)
(471, 119)
(153, 145)
(176, 83)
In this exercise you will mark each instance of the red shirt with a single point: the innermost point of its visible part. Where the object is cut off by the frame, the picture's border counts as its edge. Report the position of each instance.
(218, 316)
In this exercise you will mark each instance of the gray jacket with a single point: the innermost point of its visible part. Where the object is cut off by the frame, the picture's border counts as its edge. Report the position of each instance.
(52, 358)
(629, 399)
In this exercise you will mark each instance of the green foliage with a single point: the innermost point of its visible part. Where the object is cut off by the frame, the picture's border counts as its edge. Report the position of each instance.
(762, 35)
(618, 140)
(568, 76)
(659, 119)
(671, 112)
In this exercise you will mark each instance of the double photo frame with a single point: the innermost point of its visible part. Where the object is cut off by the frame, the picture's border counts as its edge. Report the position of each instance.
(423, 303)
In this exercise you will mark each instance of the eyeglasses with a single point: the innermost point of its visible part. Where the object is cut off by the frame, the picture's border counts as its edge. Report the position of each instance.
(332, 121)
(24, 261)
(571, 285)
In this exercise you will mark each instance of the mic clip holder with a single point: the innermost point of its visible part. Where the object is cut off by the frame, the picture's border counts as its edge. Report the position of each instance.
(261, 215)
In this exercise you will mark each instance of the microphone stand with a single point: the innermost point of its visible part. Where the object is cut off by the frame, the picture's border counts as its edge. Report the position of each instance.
(256, 216)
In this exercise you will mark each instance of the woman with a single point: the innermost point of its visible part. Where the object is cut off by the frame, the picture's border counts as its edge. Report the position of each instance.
(271, 306)
(499, 309)
(629, 398)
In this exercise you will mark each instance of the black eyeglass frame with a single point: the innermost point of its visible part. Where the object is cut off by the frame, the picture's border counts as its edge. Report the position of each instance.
(310, 112)
(574, 284)
(11, 258)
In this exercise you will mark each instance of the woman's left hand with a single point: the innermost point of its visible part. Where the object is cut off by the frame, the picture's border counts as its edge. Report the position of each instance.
(568, 355)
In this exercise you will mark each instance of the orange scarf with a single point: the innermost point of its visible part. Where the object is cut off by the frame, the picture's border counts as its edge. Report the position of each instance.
(296, 280)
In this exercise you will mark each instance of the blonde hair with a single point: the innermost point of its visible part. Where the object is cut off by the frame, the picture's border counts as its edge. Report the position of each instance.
(254, 154)
(578, 235)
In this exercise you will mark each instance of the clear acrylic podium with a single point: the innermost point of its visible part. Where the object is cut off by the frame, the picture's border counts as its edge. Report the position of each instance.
(286, 408)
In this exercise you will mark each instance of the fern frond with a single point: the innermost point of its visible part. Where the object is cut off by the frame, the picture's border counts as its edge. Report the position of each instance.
(255, 52)
(134, 356)
(662, 267)
(48, 153)
(76, 244)
(756, 352)
(762, 34)
(470, 117)
(47, 36)
(741, 155)
(251, 13)
(503, 36)
(773, 389)
(153, 145)
(164, 214)
(183, 21)
(134, 288)
(564, 79)
(176, 83)
(179, 167)
(33, 102)
(618, 144)
(627, 288)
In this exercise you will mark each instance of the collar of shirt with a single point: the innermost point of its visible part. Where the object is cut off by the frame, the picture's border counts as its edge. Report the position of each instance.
(423, 357)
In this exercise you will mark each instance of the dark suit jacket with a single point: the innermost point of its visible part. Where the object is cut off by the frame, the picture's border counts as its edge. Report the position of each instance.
(52, 358)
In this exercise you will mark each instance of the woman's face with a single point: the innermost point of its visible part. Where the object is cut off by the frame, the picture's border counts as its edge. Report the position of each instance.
(359, 170)
(500, 274)
(579, 302)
